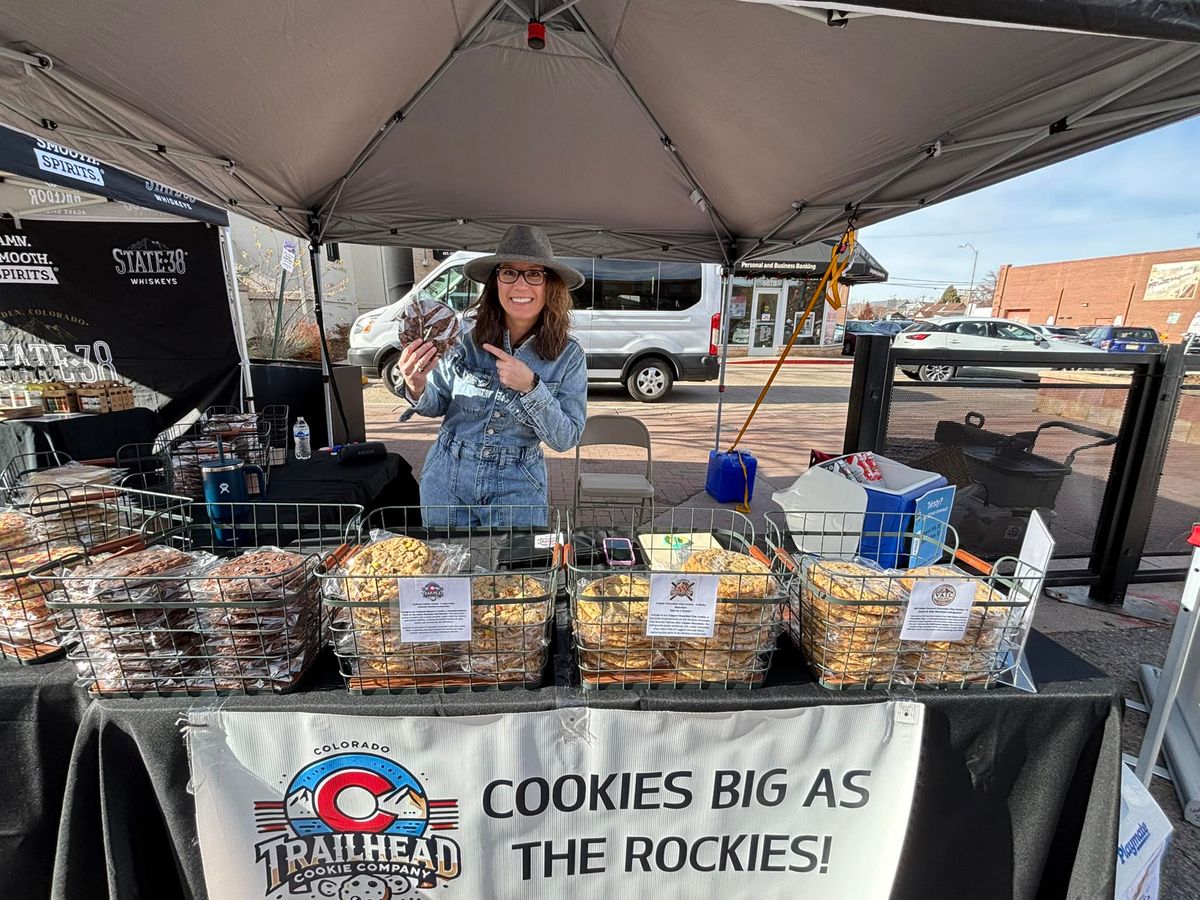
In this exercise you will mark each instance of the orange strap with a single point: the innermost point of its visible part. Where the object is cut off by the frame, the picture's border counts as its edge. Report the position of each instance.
(839, 258)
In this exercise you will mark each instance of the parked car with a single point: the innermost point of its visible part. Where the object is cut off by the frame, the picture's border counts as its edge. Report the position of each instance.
(976, 333)
(642, 323)
(856, 327)
(1058, 333)
(1125, 339)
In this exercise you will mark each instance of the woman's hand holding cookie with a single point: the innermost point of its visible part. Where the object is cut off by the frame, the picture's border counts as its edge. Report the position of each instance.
(416, 362)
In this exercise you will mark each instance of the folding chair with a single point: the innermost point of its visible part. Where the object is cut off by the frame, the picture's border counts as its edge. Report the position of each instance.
(619, 430)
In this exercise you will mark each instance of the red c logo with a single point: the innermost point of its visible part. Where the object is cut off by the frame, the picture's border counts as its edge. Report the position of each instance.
(326, 795)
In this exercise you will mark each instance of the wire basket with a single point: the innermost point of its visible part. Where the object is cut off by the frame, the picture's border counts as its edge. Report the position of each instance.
(193, 613)
(611, 604)
(850, 616)
(60, 523)
(246, 436)
(509, 573)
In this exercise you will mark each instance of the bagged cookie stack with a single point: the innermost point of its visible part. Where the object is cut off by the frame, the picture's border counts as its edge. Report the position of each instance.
(28, 630)
(388, 644)
(259, 621)
(613, 633)
(848, 616)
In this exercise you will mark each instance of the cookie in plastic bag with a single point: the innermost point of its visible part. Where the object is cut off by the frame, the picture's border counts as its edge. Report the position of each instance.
(425, 319)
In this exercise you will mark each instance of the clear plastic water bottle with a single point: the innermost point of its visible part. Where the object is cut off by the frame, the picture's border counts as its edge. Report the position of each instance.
(302, 436)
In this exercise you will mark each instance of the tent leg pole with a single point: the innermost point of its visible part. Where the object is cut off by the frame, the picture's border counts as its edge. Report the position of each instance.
(235, 303)
(314, 258)
(726, 301)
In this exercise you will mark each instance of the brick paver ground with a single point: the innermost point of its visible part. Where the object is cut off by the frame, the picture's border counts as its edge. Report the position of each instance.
(806, 408)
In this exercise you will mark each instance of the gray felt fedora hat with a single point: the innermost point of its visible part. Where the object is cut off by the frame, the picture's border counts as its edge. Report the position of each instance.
(523, 244)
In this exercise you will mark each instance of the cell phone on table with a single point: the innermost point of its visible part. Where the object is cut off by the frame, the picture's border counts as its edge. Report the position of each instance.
(618, 551)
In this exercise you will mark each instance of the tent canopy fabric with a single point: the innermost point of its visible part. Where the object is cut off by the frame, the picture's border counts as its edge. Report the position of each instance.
(673, 129)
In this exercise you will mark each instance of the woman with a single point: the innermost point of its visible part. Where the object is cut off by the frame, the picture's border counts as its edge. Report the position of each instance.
(517, 380)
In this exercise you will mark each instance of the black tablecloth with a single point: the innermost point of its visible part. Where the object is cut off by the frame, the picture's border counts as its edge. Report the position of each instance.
(40, 709)
(1017, 796)
(80, 437)
(322, 479)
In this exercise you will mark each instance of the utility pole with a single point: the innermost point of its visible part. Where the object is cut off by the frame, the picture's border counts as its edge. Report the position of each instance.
(971, 289)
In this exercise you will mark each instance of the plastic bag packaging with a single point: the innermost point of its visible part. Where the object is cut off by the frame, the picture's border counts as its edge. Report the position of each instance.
(425, 319)
(69, 475)
(369, 574)
(746, 577)
(135, 577)
(18, 529)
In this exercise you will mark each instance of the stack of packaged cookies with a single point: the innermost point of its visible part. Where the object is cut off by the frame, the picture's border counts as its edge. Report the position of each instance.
(611, 623)
(127, 618)
(848, 616)
(27, 626)
(162, 620)
(259, 620)
(509, 627)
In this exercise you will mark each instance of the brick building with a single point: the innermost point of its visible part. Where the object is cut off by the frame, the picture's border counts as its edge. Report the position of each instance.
(1156, 290)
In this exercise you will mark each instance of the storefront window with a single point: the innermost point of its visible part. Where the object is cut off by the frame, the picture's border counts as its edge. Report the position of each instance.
(739, 312)
(798, 295)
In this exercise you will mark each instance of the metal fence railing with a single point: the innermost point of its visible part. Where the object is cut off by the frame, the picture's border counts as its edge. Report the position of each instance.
(1099, 444)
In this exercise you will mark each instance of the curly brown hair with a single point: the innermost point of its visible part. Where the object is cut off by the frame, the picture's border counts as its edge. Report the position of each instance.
(553, 326)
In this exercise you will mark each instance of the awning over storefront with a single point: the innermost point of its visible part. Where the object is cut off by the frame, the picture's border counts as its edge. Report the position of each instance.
(810, 261)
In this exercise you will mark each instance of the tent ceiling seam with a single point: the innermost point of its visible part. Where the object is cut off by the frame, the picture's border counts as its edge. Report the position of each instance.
(723, 233)
(326, 207)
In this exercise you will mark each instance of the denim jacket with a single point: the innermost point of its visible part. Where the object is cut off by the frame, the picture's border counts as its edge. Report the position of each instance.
(479, 411)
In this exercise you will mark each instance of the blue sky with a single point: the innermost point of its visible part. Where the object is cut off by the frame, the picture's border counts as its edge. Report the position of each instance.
(1141, 194)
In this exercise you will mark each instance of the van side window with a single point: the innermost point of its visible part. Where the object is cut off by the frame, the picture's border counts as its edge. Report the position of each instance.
(678, 286)
(581, 297)
(624, 284)
(454, 289)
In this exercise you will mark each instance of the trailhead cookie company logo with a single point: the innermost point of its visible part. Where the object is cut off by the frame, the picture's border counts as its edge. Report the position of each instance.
(355, 826)
(150, 262)
(433, 591)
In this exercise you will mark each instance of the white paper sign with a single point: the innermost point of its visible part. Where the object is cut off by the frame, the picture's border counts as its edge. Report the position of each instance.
(434, 609)
(939, 609)
(682, 605)
(1037, 549)
(576, 803)
(546, 541)
(287, 258)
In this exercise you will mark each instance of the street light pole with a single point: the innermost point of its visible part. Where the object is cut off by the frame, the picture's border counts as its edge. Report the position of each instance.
(971, 289)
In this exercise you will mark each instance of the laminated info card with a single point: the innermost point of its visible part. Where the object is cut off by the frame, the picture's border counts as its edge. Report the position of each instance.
(939, 609)
(682, 605)
(434, 609)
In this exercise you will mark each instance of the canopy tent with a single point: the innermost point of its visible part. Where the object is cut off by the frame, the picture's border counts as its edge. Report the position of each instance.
(716, 130)
(693, 129)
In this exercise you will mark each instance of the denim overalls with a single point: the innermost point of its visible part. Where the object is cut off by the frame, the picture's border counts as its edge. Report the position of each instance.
(488, 451)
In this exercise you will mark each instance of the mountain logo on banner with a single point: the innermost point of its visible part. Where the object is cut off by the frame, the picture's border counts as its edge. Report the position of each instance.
(943, 595)
(21, 263)
(150, 263)
(355, 825)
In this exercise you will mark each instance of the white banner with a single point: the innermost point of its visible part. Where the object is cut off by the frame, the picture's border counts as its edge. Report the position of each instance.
(573, 802)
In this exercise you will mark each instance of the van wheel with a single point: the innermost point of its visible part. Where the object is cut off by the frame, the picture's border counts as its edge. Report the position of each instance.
(390, 374)
(650, 380)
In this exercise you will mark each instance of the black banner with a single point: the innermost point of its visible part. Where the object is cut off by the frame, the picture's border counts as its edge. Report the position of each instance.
(140, 302)
(46, 160)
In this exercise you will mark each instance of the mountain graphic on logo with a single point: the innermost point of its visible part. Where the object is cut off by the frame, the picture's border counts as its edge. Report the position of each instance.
(404, 803)
(148, 244)
(300, 805)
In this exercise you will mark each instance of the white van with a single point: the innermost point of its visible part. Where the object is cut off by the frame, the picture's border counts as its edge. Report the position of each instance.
(644, 324)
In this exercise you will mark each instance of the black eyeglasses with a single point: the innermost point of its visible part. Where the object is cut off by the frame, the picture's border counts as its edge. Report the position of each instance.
(533, 277)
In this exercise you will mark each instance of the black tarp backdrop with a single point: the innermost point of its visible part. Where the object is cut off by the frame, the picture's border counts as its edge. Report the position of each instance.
(151, 296)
